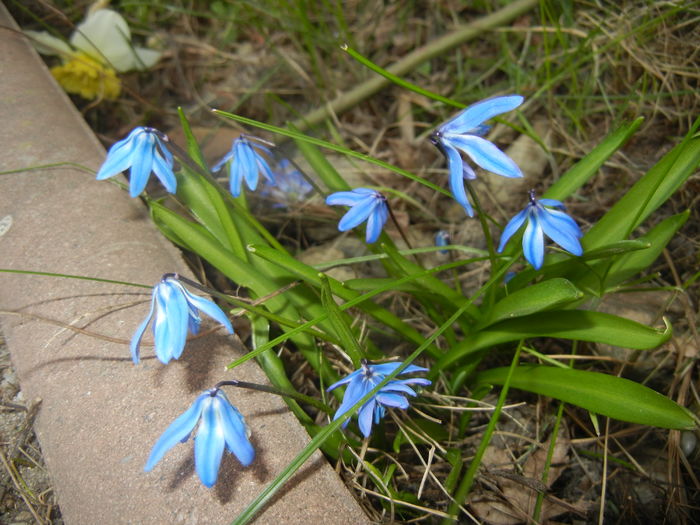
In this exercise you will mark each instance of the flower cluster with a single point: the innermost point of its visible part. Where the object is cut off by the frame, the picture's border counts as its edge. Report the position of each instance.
(175, 311)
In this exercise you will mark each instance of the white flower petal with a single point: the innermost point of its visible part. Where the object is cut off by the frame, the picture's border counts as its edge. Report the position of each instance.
(105, 36)
(47, 44)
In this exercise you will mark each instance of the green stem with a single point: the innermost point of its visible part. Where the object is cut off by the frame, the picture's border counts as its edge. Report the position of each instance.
(468, 479)
(70, 276)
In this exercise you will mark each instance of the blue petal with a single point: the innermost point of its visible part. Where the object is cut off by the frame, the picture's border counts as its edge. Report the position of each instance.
(235, 431)
(376, 221)
(364, 418)
(347, 379)
(136, 338)
(164, 172)
(559, 228)
(392, 400)
(472, 117)
(210, 308)
(357, 214)
(486, 155)
(165, 152)
(249, 163)
(562, 221)
(513, 226)
(171, 322)
(236, 174)
(551, 202)
(118, 159)
(346, 198)
(223, 160)
(209, 445)
(455, 165)
(142, 164)
(387, 368)
(356, 390)
(178, 431)
(396, 386)
(533, 243)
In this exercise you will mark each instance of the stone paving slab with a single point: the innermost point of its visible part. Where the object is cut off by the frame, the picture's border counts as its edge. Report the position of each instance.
(100, 414)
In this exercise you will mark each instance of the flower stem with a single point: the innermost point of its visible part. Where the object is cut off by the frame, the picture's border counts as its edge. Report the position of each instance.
(279, 392)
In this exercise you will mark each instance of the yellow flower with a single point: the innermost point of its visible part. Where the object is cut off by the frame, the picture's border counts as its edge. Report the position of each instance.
(86, 77)
(99, 48)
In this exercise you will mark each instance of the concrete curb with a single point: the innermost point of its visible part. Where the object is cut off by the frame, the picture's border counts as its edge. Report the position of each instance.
(100, 415)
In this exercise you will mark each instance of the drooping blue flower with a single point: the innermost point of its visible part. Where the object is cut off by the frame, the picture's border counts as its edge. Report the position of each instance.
(463, 133)
(544, 217)
(290, 186)
(176, 311)
(143, 152)
(220, 424)
(245, 163)
(442, 238)
(366, 205)
(393, 394)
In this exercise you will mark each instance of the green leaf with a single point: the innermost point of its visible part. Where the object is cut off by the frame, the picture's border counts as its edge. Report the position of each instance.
(647, 194)
(579, 325)
(603, 394)
(192, 146)
(545, 295)
(340, 323)
(310, 275)
(631, 264)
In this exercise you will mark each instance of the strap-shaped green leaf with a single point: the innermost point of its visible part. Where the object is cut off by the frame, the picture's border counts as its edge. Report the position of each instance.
(580, 325)
(603, 394)
(545, 295)
(647, 194)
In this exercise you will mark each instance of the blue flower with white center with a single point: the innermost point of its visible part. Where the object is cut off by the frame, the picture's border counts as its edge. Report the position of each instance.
(464, 133)
(220, 425)
(366, 205)
(245, 163)
(290, 186)
(393, 394)
(176, 311)
(143, 152)
(544, 217)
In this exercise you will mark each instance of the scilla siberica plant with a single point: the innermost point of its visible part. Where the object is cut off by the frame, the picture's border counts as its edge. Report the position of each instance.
(543, 298)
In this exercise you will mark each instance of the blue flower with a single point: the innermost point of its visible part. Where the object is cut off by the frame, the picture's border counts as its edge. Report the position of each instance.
(542, 221)
(290, 186)
(176, 311)
(246, 162)
(220, 423)
(442, 238)
(364, 379)
(464, 133)
(367, 205)
(144, 152)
